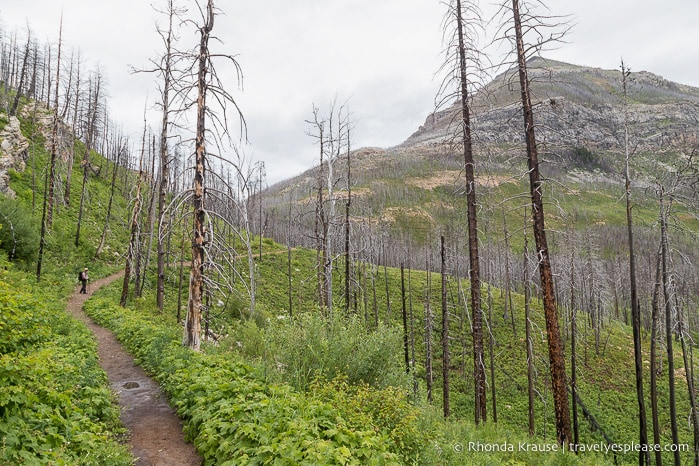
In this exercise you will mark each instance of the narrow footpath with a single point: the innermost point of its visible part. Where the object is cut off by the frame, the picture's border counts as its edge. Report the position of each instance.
(155, 431)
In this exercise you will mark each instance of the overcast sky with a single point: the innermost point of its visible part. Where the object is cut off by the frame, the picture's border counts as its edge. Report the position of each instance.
(379, 55)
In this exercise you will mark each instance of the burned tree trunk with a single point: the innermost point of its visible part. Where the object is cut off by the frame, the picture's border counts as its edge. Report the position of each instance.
(528, 336)
(92, 122)
(643, 456)
(556, 359)
(54, 137)
(192, 328)
(655, 315)
(445, 334)
(668, 325)
(134, 243)
(164, 161)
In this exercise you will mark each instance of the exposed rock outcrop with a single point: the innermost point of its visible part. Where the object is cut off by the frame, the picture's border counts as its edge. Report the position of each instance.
(13, 152)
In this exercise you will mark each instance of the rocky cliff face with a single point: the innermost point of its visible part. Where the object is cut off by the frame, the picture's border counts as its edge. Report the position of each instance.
(13, 151)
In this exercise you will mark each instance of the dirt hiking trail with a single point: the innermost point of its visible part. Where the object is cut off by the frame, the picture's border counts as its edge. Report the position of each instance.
(155, 431)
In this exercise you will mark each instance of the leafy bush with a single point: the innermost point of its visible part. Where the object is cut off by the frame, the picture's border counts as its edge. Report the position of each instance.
(298, 350)
(18, 231)
(20, 327)
(387, 410)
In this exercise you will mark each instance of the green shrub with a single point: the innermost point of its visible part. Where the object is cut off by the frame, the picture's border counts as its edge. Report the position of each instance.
(19, 235)
(387, 410)
(298, 350)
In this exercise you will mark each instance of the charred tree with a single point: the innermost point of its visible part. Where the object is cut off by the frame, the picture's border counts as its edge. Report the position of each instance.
(491, 352)
(668, 323)
(134, 242)
(71, 154)
(655, 316)
(47, 212)
(120, 150)
(91, 126)
(348, 203)
(429, 325)
(643, 456)
(213, 267)
(459, 51)
(573, 360)
(445, 332)
(528, 336)
(20, 85)
(555, 347)
(165, 68)
(406, 347)
(54, 138)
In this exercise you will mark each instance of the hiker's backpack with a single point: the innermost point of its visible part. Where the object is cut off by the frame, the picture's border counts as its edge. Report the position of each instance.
(80, 276)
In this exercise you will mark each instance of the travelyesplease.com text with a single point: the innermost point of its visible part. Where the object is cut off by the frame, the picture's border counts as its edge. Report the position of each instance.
(598, 447)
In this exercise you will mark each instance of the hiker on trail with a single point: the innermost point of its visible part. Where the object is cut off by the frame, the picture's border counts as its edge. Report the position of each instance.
(83, 279)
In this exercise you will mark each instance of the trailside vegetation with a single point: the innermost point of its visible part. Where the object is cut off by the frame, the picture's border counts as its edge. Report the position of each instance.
(55, 403)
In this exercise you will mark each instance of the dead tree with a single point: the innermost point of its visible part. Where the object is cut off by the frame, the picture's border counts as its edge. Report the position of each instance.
(54, 137)
(404, 309)
(165, 68)
(528, 337)
(47, 213)
(460, 24)
(445, 331)
(164, 159)
(573, 360)
(192, 327)
(206, 82)
(120, 150)
(643, 456)
(348, 203)
(134, 242)
(22, 74)
(320, 220)
(654, 371)
(429, 325)
(93, 112)
(71, 154)
(147, 239)
(664, 212)
(491, 352)
(332, 134)
(555, 347)
(689, 375)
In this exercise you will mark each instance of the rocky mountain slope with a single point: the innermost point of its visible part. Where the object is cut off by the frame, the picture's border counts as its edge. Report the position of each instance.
(578, 106)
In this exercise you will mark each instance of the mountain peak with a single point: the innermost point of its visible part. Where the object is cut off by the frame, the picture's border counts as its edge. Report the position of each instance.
(575, 105)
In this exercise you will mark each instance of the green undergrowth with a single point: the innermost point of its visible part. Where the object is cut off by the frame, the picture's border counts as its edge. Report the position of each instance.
(55, 403)
(235, 415)
(231, 415)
